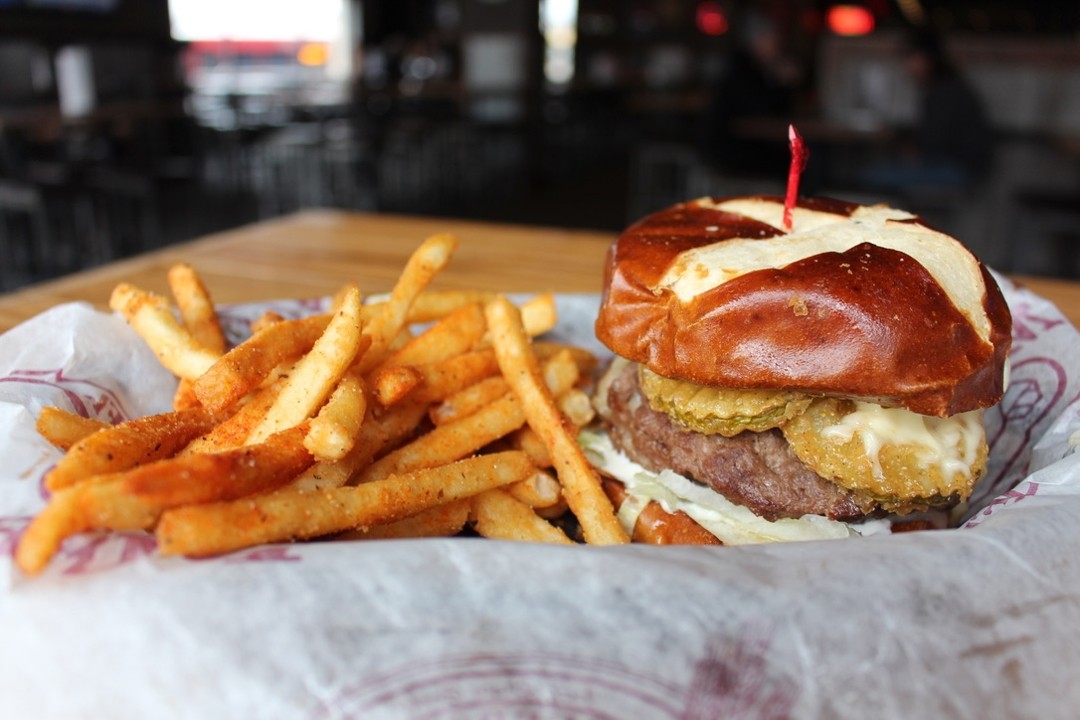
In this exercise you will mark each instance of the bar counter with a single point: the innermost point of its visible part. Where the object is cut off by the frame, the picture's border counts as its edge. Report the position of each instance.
(313, 253)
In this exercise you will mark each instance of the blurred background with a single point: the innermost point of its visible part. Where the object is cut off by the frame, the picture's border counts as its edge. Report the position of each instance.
(127, 125)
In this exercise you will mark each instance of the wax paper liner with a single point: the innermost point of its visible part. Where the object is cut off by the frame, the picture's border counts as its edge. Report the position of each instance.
(981, 621)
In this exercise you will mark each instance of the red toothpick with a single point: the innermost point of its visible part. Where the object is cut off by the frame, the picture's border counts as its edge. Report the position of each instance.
(799, 156)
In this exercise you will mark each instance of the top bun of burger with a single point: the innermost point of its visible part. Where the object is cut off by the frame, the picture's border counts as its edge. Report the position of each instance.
(861, 302)
(781, 383)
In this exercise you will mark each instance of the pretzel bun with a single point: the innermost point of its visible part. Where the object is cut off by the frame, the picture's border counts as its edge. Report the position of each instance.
(859, 302)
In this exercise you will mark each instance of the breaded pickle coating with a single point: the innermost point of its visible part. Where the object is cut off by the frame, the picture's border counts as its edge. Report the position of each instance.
(903, 460)
(719, 411)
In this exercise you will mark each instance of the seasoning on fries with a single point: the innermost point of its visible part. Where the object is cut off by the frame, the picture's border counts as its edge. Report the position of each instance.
(427, 414)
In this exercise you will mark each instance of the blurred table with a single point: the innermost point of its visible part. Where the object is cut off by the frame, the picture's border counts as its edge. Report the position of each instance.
(313, 253)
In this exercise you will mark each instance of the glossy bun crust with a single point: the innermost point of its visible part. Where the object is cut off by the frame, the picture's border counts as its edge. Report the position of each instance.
(888, 334)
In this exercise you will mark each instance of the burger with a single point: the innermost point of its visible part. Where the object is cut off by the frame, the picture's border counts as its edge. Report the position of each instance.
(816, 376)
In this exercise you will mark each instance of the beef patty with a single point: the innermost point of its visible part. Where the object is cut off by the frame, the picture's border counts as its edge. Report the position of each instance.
(755, 469)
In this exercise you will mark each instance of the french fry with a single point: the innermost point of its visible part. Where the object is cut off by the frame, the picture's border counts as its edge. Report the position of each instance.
(435, 381)
(430, 258)
(73, 510)
(230, 474)
(216, 528)
(433, 304)
(234, 431)
(539, 315)
(196, 307)
(385, 430)
(577, 407)
(441, 379)
(452, 335)
(559, 371)
(63, 429)
(352, 423)
(444, 520)
(450, 442)
(242, 369)
(134, 500)
(151, 317)
(580, 481)
(539, 490)
(585, 360)
(342, 295)
(131, 443)
(526, 440)
(184, 397)
(500, 515)
(468, 400)
(316, 374)
(334, 429)
(391, 384)
(267, 319)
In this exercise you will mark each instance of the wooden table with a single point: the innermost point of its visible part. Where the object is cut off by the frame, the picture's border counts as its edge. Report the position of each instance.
(313, 253)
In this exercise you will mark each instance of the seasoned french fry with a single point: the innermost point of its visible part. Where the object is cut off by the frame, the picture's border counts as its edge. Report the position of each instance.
(342, 295)
(196, 307)
(133, 500)
(430, 258)
(230, 474)
(433, 304)
(539, 490)
(500, 515)
(560, 371)
(526, 440)
(577, 407)
(440, 521)
(268, 318)
(539, 315)
(184, 398)
(391, 384)
(434, 382)
(452, 335)
(334, 429)
(584, 359)
(450, 442)
(468, 400)
(63, 429)
(358, 423)
(74, 510)
(441, 379)
(241, 370)
(234, 431)
(217, 528)
(131, 443)
(378, 432)
(316, 374)
(151, 317)
(580, 481)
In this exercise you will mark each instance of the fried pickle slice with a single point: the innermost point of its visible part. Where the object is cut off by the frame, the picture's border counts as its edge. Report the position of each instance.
(720, 411)
(903, 460)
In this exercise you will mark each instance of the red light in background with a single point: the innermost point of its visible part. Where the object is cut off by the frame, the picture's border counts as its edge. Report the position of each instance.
(850, 20)
(710, 18)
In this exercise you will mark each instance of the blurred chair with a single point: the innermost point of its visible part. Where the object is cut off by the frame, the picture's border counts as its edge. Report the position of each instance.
(1049, 221)
(24, 234)
(662, 174)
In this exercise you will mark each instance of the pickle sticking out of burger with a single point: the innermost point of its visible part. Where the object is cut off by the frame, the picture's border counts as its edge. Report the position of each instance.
(782, 382)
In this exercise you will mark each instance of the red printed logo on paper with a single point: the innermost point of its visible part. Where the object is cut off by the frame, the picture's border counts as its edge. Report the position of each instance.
(87, 398)
(733, 679)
